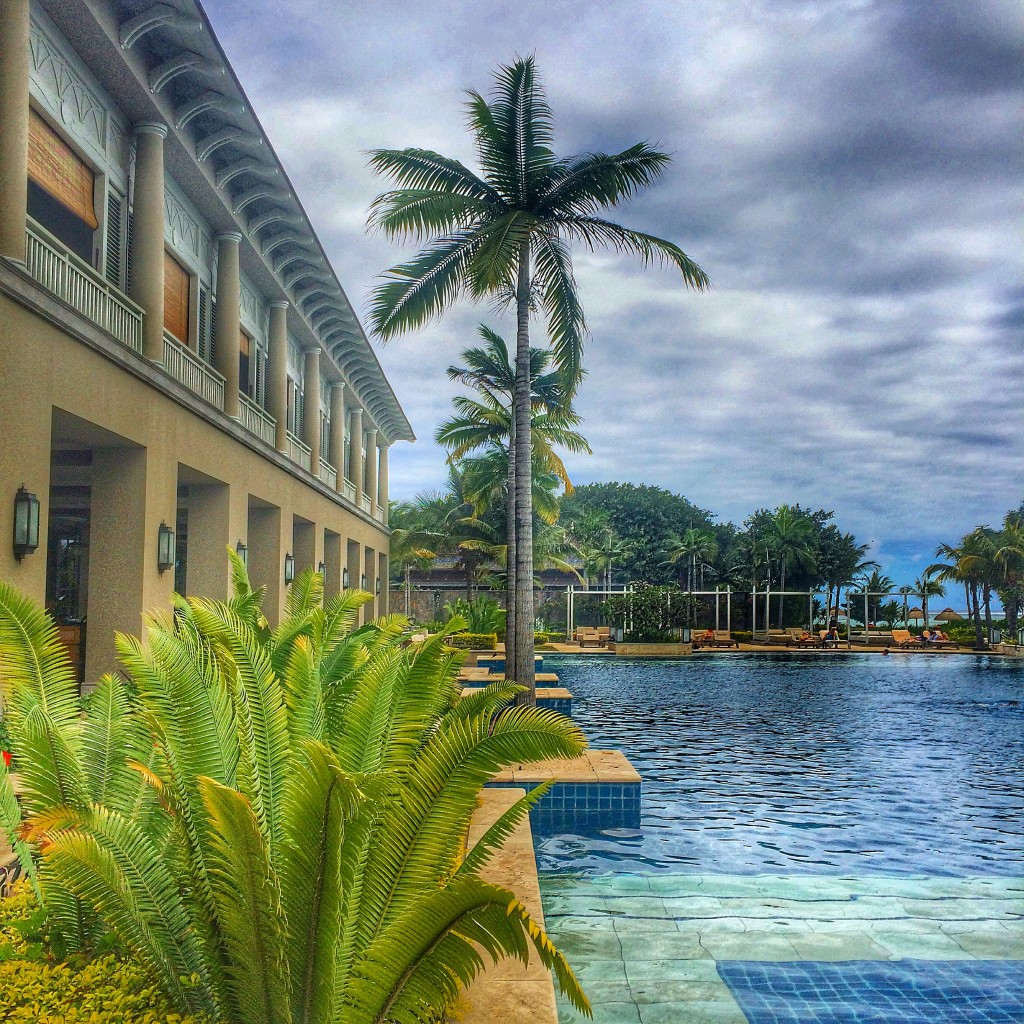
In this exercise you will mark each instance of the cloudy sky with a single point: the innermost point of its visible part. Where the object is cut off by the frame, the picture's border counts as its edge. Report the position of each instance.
(847, 171)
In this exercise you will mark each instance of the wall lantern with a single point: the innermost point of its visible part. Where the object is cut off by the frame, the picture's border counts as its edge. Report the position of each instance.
(165, 548)
(243, 553)
(377, 586)
(362, 581)
(321, 568)
(289, 569)
(345, 579)
(26, 523)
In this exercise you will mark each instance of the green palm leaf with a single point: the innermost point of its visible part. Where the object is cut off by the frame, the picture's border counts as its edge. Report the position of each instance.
(110, 863)
(318, 802)
(247, 899)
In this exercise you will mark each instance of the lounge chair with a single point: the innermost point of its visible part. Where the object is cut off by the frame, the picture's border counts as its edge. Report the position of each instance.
(589, 638)
(904, 638)
(801, 638)
(823, 640)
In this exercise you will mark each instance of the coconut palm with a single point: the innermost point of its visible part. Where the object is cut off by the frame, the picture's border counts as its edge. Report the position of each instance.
(693, 551)
(1010, 558)
(452, 517)
(507, 233)
(272, 821)
(790, 537)
(411, 543)
(925, 586)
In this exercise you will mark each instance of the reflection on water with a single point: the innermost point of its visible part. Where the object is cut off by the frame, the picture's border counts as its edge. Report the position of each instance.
(908, 764)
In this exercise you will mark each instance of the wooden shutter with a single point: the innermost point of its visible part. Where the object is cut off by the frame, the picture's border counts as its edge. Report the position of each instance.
(244, 364)
(177, 285)
(55, 167)
(204, 324)
(113, 266)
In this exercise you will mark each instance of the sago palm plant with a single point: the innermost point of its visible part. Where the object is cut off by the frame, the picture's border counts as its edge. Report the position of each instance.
(273, 820)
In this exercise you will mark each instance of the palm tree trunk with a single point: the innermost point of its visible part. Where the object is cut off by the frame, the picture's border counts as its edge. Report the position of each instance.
(522, 665)
(988, 613)
(979, 635)
(510, 542)
(408, 590)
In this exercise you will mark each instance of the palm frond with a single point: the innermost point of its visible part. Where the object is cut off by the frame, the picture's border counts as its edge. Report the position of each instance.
(110, 863)
(595, 232)
(261, 714)
(414, 293)
(584, 184)
(419, 213)
(305, 593)
(494, 838)
(567, 327)
(423, 169)
(247, 898)
(319, 800)
(35, 670)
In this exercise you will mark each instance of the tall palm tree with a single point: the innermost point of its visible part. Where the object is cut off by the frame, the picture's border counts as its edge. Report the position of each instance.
(873, 586)
(411, 543)
(507, 233)
(490, 371)
(790, 537)
(451, 517)
(1010, 558)
(693, 551)
(926, 586)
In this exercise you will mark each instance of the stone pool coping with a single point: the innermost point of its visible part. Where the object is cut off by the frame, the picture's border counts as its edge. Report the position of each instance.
(590, 766)
(508, 991)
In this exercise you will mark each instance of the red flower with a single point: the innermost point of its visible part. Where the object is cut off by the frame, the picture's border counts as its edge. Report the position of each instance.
(7, 757)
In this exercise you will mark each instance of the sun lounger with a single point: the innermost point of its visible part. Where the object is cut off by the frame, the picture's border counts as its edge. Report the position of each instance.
(801, 638)
(589, 638)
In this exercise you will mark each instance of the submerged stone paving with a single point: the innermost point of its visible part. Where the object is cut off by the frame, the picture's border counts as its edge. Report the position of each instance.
(647, 947)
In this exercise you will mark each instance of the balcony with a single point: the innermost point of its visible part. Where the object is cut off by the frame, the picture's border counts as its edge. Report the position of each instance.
(190, 370)
(350, 490)
(299, 453)
(257, 420)
(328, 474)
(74, 282)
(364, 503)
(379, 515)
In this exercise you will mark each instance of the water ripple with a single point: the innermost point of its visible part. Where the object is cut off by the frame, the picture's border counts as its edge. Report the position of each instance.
(752, 765)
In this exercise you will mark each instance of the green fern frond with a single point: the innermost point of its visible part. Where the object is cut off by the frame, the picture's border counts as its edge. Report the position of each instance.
(247, 898)
(319, 800)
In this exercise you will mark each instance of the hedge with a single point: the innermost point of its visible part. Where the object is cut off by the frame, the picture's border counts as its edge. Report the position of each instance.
(36, 990)
(474, 641)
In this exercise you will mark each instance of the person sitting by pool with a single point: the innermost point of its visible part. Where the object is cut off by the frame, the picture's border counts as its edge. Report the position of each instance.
(933, 636)
(832, 636)
(706, 637)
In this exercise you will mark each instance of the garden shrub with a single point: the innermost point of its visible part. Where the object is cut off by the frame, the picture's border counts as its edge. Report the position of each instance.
(35, 989)
(473, 641)
(482, 615)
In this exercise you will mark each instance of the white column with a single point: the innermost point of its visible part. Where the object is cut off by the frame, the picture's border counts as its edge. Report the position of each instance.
(357, 455)
(311, 409)
(277, 372)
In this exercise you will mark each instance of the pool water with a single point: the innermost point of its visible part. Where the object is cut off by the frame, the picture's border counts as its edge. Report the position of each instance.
(815, 810)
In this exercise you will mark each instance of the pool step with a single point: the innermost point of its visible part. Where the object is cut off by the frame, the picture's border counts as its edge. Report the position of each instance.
(599, 789)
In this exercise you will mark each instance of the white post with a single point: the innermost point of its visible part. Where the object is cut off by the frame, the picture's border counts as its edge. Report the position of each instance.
(728, 608)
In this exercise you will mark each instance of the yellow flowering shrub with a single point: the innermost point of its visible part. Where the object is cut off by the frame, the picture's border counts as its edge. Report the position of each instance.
(34, 989)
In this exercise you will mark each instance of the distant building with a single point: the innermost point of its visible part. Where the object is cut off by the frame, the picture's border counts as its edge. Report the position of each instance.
(180, 369)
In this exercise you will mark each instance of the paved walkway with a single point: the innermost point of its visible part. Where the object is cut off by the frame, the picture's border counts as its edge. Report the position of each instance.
(646, 946)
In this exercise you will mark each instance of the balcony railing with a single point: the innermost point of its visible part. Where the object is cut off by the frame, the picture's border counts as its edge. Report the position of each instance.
(379, 514)
(350, 490)
(256, 419)
(299, 452)
(191, 371)
(76, 283)
(365, 503)
(328, 474)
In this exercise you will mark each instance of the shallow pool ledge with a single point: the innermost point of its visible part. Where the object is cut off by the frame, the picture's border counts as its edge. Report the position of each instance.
(508, 991)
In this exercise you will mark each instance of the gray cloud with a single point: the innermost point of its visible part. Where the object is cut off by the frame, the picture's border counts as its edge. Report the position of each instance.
(846, 170)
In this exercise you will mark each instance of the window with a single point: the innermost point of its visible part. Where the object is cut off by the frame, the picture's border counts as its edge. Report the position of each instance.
(244, 364)
(177, 296)
(60, 188)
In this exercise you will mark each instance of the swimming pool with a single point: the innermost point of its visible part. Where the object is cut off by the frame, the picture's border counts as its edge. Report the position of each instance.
(810, 810)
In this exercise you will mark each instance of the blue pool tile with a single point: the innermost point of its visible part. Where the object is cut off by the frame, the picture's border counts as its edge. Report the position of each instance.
(878, 992)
